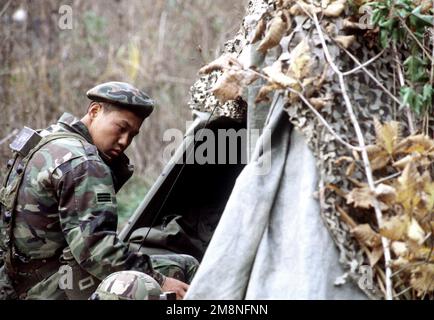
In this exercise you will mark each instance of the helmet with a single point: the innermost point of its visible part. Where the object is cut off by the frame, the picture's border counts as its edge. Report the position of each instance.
(127, 285)
(123, 95)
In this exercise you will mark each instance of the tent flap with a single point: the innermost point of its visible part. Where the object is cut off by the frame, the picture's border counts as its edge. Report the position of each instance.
(271, 242)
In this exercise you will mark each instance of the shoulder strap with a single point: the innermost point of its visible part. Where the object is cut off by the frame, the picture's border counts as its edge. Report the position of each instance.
(9, 202)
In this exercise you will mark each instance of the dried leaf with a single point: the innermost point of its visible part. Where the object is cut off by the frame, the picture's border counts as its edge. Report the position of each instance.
(375, 255)
(415, 232)
(300, 60)
(228, 86)
(226, 61)
(342, 159)
(348, 24)
(297, 9)
(378, 157)
(422, 279)
(406, 190)
(264, 91)
(402, 163)
(386, 194)
(336, 189)
(350, 170)
(284, 3)
(308, 81)
(366, 235)
(249, 77)
(418, 143)
(395, 228)
(260, 30)
(357, 183)
(335, 9)
(277, 77)
(361, 197)
(423, 253)
(276, 31)
(399, 248)
(345, 41)
(387, 135)
(429, 195)
(426, 5)
(400, 262)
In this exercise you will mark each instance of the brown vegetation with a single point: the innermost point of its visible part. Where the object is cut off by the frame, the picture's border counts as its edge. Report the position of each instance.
(156, 45)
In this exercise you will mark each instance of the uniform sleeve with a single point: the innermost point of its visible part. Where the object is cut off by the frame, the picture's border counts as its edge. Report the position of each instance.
(88, 218)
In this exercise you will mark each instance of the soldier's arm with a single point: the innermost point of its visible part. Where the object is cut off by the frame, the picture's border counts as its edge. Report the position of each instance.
(88, 218)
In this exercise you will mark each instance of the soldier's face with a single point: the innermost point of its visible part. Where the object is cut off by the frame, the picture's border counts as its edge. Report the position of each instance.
(112, 131)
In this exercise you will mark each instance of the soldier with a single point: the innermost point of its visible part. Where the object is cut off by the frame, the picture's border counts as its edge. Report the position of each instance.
(59, 205)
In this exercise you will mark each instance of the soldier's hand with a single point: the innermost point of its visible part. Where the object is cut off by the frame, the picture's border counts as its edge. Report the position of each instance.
(179, 287)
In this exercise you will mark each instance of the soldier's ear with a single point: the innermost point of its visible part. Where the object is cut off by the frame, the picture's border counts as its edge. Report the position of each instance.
(94, 109)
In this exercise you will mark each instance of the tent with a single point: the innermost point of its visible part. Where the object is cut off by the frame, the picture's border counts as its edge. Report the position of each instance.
(291, 233)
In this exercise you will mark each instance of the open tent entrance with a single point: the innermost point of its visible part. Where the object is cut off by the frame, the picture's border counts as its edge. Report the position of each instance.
(183, 207)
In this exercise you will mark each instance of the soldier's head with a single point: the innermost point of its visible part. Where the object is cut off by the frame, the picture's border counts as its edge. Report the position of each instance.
(115, 116)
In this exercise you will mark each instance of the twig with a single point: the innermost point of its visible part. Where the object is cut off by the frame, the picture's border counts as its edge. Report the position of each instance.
(415, 38)
(323, 121)
(381, 285)
(10, 135)
(368, 170)
(359, 63)
(432, 61)
(5, 7)
(428, 258)
(402, 292)
(411, 264)
(372, 76)
(362, 66)
(387, 178)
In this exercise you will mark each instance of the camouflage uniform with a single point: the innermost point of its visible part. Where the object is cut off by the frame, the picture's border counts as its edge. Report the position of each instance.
(67, 200)
(179, 266)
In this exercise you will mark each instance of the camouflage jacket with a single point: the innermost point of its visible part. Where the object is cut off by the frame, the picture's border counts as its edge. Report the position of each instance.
(67, 198)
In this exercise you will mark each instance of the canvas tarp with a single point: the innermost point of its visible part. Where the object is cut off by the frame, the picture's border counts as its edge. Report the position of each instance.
(271, 242)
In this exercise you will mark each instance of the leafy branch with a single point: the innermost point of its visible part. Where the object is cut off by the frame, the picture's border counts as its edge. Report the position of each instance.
(405, 24)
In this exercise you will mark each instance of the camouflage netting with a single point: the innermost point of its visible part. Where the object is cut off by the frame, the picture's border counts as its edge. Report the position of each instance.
(341, 169)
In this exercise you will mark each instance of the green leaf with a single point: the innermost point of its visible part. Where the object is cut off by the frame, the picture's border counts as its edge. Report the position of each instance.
(387, 24)
(415, 68)
(403, 13)
(384, 38)
(427, 93)
(418, 104)
(395, 35)
(424, 19)
(377, 17)
(407, 95)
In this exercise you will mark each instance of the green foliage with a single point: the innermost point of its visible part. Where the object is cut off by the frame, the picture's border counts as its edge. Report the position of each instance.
(389, 16)
(94, 27)
(129, 198)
